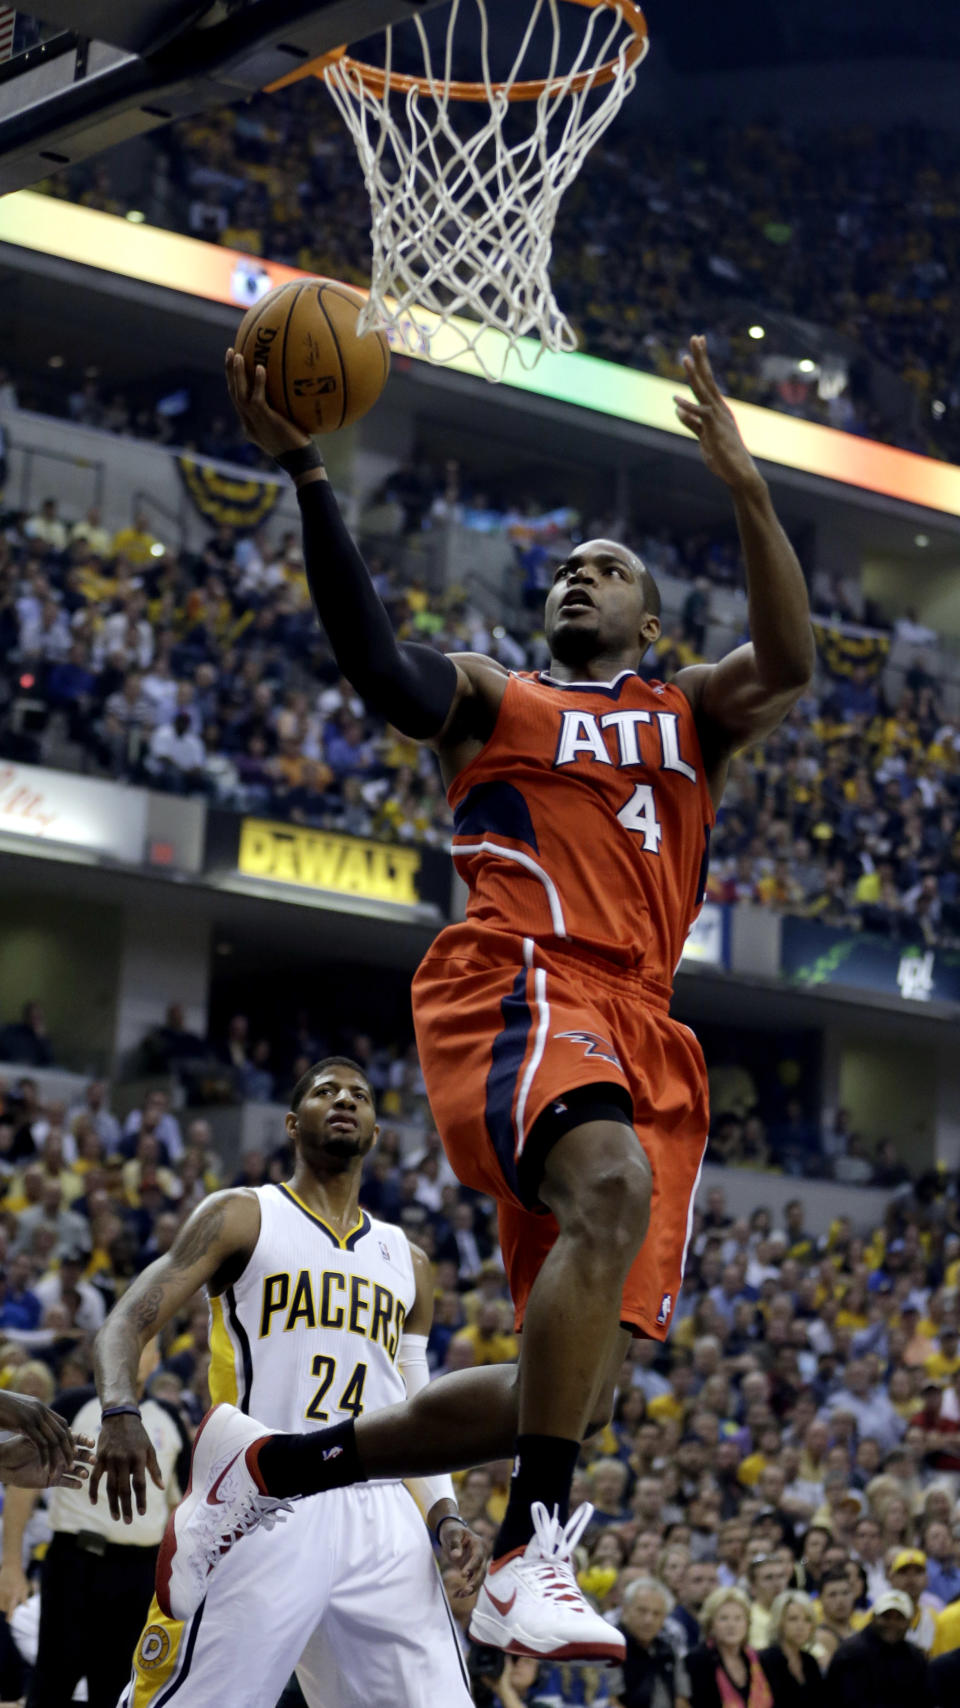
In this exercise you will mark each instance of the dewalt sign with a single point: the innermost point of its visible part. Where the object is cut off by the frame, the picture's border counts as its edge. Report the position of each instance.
(411, 877)
(320, 860)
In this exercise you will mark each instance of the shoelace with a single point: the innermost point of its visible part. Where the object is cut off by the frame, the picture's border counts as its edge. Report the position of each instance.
(254, 1516)
(554, 1571)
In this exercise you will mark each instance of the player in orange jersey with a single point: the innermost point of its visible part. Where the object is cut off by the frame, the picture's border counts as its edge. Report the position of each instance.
(583, 799)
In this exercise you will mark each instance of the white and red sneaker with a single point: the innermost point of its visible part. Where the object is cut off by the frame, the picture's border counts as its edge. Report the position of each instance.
(224, 1501)
(531, 1604)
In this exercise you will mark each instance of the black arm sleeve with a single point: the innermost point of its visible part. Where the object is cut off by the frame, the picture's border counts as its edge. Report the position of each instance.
(411, 686)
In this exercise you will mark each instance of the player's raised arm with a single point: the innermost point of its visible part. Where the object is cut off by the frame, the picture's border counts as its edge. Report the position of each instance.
(748, 693)
(418, 690)
(217, 1239)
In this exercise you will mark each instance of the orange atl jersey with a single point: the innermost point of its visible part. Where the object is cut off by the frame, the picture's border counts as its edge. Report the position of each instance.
(585, 821)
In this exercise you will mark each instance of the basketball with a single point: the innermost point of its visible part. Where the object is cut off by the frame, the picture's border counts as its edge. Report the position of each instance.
(320, 374)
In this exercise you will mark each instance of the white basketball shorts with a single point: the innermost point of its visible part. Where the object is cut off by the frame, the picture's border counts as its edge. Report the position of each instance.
(346, 1593)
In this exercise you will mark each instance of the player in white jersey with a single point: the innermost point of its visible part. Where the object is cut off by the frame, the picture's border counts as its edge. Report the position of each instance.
(319, 1314)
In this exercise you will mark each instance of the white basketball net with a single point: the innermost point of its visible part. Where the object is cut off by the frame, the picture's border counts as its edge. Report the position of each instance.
(463, 225)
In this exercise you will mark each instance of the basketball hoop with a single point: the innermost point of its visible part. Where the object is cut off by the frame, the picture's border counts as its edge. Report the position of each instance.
(462, 225)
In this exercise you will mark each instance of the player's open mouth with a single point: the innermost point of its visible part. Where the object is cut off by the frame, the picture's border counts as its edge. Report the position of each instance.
(577, 602)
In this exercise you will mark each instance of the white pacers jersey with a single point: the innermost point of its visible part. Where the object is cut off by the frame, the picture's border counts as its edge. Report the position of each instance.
(309, 1335)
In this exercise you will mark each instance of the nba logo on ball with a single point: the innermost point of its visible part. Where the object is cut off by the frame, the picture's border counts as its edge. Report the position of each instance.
(666, 1306)
(154, 1647)
(320, 386)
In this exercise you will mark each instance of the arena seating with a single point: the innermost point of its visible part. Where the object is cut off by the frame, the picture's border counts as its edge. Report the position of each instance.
(206, 673)
(807, 1402)
(841, 243)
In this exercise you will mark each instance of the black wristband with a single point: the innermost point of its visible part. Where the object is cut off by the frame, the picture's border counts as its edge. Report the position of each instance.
(446, 1519)
(129, 1410)
(300, 461)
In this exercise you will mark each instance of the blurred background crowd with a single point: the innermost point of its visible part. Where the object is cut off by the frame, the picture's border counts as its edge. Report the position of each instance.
(762, 1098)
(819, 261)
(780, 1479)
(205, 673)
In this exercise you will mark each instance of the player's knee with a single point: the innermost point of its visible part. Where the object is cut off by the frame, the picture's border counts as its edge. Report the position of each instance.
(611, 1203)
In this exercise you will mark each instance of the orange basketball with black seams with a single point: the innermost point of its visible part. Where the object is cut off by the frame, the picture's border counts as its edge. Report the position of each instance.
(320, 374)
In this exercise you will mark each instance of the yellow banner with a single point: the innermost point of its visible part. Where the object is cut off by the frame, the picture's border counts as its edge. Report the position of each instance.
(844, 646)
(318, 860)
(222, 499)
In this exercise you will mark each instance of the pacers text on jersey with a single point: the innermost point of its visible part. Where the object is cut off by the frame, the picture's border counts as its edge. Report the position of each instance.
(332, 1299)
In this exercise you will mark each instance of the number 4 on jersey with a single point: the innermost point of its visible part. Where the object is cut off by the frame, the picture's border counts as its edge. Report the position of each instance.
(639, 813)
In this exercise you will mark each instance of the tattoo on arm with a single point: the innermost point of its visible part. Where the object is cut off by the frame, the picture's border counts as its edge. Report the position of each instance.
(197, 1238)
(147, 1309)
(150, 1302)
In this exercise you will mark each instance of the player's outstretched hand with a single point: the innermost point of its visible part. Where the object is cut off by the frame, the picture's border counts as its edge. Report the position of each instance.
(124, 1455)
(262, 424)
(27, 1466)
(460, 1547)
(47, 1433)
(711, 420)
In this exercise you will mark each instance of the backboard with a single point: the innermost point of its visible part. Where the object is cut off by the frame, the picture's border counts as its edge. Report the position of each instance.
(95, 74)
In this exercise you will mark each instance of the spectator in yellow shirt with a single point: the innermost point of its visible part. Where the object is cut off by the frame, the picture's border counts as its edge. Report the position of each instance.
(767, 1449)
(146, 1164)
(489, 1290)
(946, 1636)
(136, 543)
(195, 1338)
(676, 647)
(487, 1338)
(674, 1404)
(919, 1346)
(945, 1362)
(665, 1405)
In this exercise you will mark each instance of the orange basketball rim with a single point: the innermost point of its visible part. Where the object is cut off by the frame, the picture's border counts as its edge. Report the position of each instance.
(375, 79)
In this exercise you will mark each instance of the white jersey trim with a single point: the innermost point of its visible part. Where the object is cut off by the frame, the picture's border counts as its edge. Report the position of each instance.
(546, 677)
(553, 895)
(543, 1009)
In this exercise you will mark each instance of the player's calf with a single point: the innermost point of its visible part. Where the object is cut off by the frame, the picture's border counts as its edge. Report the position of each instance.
(597, 1181)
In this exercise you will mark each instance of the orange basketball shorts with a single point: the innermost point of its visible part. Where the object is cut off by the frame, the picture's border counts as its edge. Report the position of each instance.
(504, 1029)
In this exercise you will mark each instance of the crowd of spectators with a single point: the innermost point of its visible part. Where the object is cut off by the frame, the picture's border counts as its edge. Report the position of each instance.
(206, 673)
(189, 416)
(776, 1517)
(775, 1514)
(843, 240)
(243, 1060)
(849, 815)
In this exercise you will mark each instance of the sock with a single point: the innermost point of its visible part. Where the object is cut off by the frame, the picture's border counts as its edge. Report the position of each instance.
(543, 1470)
(289, 1465)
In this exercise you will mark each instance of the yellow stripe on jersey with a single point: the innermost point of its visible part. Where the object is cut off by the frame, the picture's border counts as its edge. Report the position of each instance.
(343, 1242)
(222, 1379)
(156, 1656)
